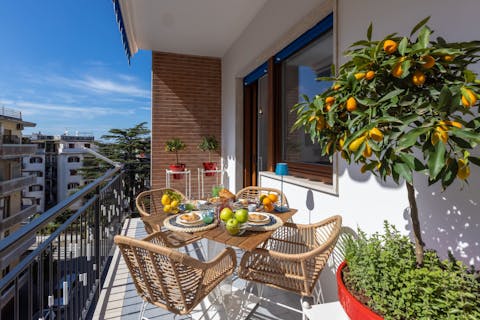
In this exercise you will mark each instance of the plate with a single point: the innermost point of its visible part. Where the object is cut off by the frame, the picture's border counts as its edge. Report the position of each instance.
(190, 218)
(258, 218)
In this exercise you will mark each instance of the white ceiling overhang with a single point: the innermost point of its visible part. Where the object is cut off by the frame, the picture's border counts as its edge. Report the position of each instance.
(197, 27)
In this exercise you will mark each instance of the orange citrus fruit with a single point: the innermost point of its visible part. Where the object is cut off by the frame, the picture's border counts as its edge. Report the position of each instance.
(273, 197)
(397, 70)
(329, 100)
(367, 152)
(428, 61)
(370, 74)
(266, 200)
(463, 169)
(439, 135)
(336, 87)
(351, 104)
(418, 78)
(360, 75)
(470, 99)
(448, 58)
(356, 144)
(376, 134)
(390, 46)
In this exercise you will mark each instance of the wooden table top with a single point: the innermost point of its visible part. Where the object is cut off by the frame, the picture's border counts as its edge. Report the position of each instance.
(248, 241)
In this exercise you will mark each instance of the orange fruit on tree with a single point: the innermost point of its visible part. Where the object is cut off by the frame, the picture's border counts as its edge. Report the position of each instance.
(463, 169)
(367, 152)
(360, 75)
(273, 197)
(329, 100)
(448, 58)
(469, 99)
(355, 144)
(390, 46)
(351, 104)
(397, 70)
(439, 134)
(418, 78)
(328, 107)
(428, 61)
(369, 75)
(376, 134)
(336, 86)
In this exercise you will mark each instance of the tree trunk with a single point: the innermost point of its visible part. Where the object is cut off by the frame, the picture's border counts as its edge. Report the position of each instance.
(419, 244)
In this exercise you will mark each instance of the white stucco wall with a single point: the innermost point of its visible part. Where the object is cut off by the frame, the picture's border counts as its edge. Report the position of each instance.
(450, 219)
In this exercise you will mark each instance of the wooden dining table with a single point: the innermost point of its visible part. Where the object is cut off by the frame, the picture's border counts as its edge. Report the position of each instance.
(248, 241)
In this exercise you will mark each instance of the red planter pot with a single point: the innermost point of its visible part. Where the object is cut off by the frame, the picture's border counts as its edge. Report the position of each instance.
(354, 308)
(177, 167)
(210, 166)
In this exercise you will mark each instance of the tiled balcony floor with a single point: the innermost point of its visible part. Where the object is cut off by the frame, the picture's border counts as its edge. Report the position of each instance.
(119, 299)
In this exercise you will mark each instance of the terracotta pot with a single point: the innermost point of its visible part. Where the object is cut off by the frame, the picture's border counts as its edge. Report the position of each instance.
(210, 166)
(353, 308)
(177, 167)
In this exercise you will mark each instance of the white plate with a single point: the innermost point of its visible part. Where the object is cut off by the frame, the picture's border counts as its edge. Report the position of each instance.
(181, 218)
(262, 218)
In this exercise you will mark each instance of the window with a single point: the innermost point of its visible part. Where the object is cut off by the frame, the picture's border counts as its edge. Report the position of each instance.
(37, 201)
(5, 207)
(71, 145)
(35, 187)
(87, 145)
(73, 172)
(299, 76)
(36, 160)
(270, 92)
(36, 173)
(73, 185)
(73, 159)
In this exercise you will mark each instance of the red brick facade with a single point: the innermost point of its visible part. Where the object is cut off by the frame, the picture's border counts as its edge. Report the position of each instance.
(186, 103)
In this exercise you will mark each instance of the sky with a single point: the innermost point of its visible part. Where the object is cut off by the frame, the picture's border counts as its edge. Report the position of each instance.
(62, 64)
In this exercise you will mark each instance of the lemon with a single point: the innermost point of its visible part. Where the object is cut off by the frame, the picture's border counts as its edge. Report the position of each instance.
(360, 75)
(167, 208)
(470, 99)
(356, 144)
(174, 204)
(367, 152)
(165, 199)
(376, 134)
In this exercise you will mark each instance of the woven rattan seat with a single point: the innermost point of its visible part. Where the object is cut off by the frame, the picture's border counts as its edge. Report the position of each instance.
(168, 278)
(150, 203)
(252, 194)
(293, 257)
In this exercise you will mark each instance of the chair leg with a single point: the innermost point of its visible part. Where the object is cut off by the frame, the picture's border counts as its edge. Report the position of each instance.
(305, 305)
(142, 310)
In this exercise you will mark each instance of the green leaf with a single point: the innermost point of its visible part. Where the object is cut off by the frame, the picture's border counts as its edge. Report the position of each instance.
(390, 95)
(445, 97)
(410, 138)
(402, 46)
(474, 160)
(468, 135)
(436, 160)
(403, 171)
(424, 37)
(469, 75)
(369, 32)
(419, 25)
(461, 142)
(450, 174)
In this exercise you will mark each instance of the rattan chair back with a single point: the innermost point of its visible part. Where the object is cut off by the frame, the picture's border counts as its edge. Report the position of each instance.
(170, 279)
(253, 193)
(293, 257)
(150, 203)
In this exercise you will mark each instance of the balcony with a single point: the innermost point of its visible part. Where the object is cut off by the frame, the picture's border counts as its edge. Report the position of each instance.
(12, 185)
(18, 217)
(12, 151)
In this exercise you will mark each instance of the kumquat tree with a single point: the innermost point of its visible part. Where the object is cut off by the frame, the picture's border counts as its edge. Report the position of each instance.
(399, 106)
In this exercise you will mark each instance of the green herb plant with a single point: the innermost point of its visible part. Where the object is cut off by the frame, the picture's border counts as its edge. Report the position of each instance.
(383, 269)
(398, 106)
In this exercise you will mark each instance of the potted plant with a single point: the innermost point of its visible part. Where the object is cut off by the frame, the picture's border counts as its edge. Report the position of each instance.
(398, 106)
(209, 143)
(175, 145)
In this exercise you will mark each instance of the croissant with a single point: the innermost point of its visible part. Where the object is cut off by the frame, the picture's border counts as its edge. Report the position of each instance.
(226, 194)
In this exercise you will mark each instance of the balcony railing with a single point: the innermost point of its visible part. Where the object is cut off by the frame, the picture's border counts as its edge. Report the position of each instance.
(63, 272)
(11, 139)
(10, 151)
(18, 217)
(10, 113)
(16, 184)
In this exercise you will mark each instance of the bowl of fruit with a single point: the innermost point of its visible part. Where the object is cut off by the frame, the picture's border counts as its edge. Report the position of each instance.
(234, 221)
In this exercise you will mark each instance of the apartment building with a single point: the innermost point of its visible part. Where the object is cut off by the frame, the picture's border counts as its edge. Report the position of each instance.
(12, 210)
(55, 165)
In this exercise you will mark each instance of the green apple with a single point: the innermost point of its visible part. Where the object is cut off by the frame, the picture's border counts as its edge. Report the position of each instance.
(233, 226)
(226, 214)
(241, 215)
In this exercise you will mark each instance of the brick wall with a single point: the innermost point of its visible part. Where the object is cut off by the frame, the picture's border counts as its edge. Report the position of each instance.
(186, 103)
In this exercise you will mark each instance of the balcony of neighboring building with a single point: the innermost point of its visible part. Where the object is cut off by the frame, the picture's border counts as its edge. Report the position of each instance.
(13, 148)
(17, 217)
(15, 184)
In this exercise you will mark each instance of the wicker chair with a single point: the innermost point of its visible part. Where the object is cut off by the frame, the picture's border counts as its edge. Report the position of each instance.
(150, 203)
(253, 194)
(170, 279)
(293, 257)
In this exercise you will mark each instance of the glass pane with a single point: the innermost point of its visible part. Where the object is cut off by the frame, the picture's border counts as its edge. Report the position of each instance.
(262, 123)
(300, 73)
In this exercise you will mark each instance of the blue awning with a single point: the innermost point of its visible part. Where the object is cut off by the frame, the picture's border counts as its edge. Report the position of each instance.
(121, 27)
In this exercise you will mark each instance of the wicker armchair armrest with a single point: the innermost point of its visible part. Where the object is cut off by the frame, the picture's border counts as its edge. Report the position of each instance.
(170, 239)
